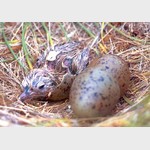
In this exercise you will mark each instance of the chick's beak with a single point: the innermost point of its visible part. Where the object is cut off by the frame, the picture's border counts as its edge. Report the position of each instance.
(23, 96)
(26, 94)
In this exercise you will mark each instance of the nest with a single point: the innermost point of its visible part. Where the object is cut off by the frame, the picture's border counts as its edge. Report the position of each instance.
(21, 44)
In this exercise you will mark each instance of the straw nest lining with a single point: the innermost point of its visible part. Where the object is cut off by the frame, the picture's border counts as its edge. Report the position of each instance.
(37, 113)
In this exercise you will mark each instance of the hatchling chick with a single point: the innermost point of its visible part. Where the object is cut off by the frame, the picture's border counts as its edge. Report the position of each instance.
(57, 68)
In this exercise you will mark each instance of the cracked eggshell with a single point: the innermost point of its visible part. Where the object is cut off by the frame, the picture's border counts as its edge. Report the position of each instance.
(94, 93)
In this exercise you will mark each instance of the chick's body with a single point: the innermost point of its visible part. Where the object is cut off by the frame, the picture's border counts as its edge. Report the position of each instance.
(56, 71)
(62, 73)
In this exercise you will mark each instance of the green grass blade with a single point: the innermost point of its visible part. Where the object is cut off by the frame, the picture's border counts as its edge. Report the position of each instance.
(127, 36)
(10, 42)
(128, 100)
(7, 60)
(90, 33)
(25, 49)
(102, 29)
(9, 47)
(64, 31)
(48, 34)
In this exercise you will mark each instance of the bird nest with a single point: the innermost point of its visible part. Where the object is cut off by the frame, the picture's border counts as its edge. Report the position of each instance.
(22, 43)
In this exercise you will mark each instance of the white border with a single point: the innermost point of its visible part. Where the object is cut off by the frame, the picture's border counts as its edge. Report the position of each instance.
(74, 138)
(105, 138)
(77, 10)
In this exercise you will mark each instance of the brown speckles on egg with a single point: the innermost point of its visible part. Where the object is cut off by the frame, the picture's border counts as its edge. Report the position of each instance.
(95, 95)
(101, 105)
(110, 78)
(118, 69)
(101, 79)
(106, 105)
(91, 72)
(123, 85)
(93, 89)
(106, 67)
(80, 98)
(93, 107)
(103, 62)
(97, 89)
(102, 97)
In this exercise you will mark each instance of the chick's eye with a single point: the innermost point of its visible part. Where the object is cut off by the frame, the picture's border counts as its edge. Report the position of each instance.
(53, 83)
(41, 87)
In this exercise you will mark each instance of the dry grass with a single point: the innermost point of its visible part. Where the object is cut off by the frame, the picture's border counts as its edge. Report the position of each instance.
(27, 40)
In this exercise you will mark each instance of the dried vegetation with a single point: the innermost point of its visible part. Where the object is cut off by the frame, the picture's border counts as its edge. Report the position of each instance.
(21, 44)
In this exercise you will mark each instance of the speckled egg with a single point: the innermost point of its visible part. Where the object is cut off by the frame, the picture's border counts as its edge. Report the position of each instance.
(94, 93)
(116, 67)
